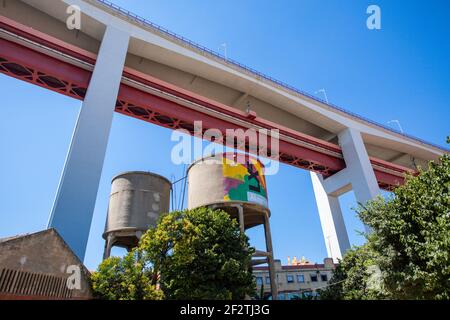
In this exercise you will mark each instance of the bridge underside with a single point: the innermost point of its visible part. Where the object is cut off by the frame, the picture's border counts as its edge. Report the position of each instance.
(37, 58)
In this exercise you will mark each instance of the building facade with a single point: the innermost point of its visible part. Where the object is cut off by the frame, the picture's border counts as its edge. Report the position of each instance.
(41, 266)
(295, 281)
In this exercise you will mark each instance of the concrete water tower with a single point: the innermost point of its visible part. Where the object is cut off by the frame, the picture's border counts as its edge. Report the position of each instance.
(237, 185)
(137, 200)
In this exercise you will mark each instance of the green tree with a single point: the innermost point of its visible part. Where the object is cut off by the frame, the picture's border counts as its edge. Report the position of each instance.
(409, 243)
(411, 234)
(127, 278)
(200, 254)
(355, 277)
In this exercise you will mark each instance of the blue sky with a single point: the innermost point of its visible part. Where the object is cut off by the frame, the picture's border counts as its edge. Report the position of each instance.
(399, 72)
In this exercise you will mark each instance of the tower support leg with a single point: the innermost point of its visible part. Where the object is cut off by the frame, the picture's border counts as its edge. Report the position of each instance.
(240, 209)
(270, 258)
(108, 245)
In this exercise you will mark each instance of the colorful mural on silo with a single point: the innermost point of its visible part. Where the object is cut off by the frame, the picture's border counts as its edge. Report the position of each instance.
(244, 181)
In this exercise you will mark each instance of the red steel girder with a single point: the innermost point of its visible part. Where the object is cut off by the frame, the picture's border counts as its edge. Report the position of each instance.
(28, 65)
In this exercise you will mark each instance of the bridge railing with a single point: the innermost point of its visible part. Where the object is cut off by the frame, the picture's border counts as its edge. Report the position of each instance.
(147, 23)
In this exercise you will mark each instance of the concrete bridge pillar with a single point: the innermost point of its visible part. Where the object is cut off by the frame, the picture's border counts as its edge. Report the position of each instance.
(331, 219)
(358, 176)
(77, 191)
(360, 171)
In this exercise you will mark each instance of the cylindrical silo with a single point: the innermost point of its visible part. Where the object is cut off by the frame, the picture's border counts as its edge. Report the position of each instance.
(236, 184)
(229, 181)
(136, 201)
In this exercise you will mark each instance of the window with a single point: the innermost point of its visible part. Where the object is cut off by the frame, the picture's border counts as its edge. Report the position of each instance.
(290, 278)
(267, 280)
(323, 277)
(300, 278)
(259, 281)
(313, 277)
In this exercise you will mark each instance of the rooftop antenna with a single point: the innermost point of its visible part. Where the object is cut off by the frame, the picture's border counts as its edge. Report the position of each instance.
(398, 124)
(323, 92)
(224, 45)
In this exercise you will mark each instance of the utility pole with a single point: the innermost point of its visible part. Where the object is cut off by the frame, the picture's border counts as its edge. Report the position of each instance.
(224, 45)
(398, 124)
(323, 92)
